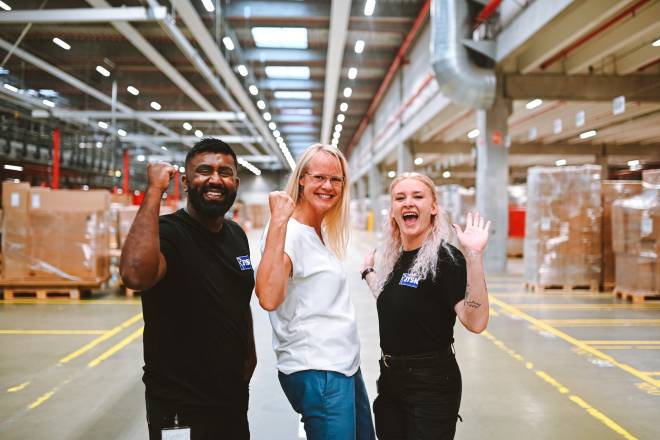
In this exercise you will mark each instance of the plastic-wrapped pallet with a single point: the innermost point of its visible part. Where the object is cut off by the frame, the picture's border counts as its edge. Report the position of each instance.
(456, 201)
(636, 239)
(563, 227)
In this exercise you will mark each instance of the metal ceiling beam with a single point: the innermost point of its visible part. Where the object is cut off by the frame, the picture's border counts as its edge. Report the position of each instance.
(635, 149)
(230, 139)
(290, 84)
(634, 60)
(84, 15)
(205, 40)
(276, 9)
(163, 116)
(273, 56)
(339, 18)
(644, 88)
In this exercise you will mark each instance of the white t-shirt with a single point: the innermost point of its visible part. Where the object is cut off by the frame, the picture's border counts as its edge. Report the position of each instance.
(315, 327)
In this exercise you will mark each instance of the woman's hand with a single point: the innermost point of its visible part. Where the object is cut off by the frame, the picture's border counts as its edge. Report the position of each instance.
(475, 236)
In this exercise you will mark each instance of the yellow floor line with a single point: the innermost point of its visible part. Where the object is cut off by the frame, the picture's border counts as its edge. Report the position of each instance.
(573, 341)
(563, 389)
(103, 337)
(52, 332)
(550, 295)
(115, 348)
(41, 399)
(616, 322)
(58, 302)
(577, 306)
(621, 342)
(18, 387)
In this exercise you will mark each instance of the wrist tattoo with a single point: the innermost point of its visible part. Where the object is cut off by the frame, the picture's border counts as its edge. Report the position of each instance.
(472, 304)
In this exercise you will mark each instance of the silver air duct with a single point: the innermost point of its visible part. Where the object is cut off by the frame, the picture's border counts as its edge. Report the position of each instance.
(459, 79)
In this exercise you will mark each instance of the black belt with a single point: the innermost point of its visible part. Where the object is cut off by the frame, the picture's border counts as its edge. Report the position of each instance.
(417, 359)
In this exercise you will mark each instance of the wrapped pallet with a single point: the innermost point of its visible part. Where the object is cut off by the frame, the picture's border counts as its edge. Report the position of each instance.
(55, 237)
(456, 201)
(636, 240)
(613, 190)
(563, 227)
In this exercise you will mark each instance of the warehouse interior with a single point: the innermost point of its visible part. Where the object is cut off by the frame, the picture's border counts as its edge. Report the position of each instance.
(542, 115)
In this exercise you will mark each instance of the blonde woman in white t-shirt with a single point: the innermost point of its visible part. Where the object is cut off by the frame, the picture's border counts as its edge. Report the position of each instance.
(302, 283)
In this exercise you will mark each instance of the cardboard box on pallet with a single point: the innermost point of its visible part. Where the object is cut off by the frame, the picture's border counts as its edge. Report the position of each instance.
(125, 217)
(15, 229)
(63, 236)
(563, 226)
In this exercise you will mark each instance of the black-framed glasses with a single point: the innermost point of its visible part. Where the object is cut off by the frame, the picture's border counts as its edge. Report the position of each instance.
(320, 179)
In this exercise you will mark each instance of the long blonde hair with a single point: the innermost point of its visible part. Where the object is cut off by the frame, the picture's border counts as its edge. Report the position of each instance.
(426, 261)
(335, 226)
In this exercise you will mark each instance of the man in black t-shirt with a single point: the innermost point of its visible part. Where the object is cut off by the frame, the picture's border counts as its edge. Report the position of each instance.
(193, 268)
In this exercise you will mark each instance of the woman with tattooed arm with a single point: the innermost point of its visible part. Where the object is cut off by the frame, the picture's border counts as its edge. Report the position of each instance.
(421, 284)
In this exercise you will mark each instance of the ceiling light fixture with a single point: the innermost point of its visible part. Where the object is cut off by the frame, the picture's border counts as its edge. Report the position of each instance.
(288, 72)
(121, 132)
(132, 90)
(103, 71)
(11, 88)
(229, 44)
(359, 46)
(280, 37)
(369, 7)
(208, 5)
(531, 105)
(103, 125)
(341, 117)
(276, 133)
(352, 73)
(588, 134)
(560, 162)
(253, 90)
(5, 6)
(419, 160)
(446, 174)
(199, 133)
(261, 105)
(348, 92)
(473, 133)
(656, 43)
(154, 105)
(63, 44)
(272, 125)
(187, 126)
(267, 116)
(242, 70)
(343, 107)
(291, 94)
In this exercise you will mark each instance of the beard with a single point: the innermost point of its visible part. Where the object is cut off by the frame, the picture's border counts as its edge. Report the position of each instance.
(211, 208)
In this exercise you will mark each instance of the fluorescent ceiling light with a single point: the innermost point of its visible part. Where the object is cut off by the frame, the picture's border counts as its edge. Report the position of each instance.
(560, 162)
(103, 71)
(279, 139)
(163, 147)
(473, 133)
(199, 133)
(229, 44)
(187, 126)
(5, 6)
(531, 105)
(261, 104)
(352, 73)
(50, 104)
(132, 90)
(63, 44)
(154, 105)
(343, 107)
(208, 5)
(11, 88)
(272, 125)
(446, 174)
(656, 43)
(588, 134)
(419, 160)
(633, 163)
(338, 127)
(391, 174)
(182, 170)
(293, 72)
(140, 158)
(13, 167)
(267, 116)
(253, 90)
(359, 46)
(348, 92)
(280, 37)
(121, 132)
(103, 125)
(290, 94)
(242, 70)
(297, 111)
(336, 135)
(99, 144)
(341, 117)
(369, 7)
(276, 133)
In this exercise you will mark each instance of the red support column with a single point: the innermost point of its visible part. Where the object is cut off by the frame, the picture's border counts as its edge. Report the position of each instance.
(55, 184)
(125, 175)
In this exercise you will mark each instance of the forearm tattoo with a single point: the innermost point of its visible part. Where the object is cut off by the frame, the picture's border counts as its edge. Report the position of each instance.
(467, 302)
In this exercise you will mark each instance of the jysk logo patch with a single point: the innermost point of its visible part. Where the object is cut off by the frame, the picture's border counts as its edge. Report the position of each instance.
(244, 262)
(409, 280)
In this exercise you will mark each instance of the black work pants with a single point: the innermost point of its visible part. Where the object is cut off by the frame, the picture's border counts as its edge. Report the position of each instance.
(206, 424)
(419, 399)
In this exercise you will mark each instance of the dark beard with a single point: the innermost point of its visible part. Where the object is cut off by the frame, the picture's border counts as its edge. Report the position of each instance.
(211, 208)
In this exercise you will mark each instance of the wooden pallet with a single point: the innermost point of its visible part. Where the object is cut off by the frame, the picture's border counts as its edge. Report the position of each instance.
(568, 288)
(635, 296)
(41, 292)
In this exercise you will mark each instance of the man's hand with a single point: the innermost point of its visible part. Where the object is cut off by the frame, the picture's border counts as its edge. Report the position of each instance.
(159, 175)
(281, 207)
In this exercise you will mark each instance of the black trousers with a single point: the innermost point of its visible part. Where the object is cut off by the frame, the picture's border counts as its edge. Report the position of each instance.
(418, 399)
(204, 424)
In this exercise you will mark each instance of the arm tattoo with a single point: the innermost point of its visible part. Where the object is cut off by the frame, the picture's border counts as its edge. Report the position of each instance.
(468, 302)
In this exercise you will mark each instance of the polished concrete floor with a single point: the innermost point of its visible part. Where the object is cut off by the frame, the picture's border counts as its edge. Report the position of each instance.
(550, 366)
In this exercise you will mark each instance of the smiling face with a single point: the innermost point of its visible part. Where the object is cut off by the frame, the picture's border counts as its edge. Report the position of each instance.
(211, 182)
(413, 206)
(322, 183)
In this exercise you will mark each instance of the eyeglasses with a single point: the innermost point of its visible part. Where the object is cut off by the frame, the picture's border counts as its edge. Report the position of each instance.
(320, 179)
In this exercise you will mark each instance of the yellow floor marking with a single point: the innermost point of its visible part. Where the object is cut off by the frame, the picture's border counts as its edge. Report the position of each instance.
(52, 332)
(602, 322)
(562, 389)
(628, 342)
(58, 302)
(549, 295)
(646, 347)
(18, 387)
(652, 373)
(494, 312)
(115, 348)
(577, 306)
(617, 347)
(41, 399)
(103, 337)
(573, 341)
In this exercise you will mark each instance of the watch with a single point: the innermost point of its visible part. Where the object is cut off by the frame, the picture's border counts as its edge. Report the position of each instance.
(367, 271)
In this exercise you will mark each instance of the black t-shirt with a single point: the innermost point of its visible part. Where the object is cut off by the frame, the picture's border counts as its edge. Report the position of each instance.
(197, 318)
(418, 316)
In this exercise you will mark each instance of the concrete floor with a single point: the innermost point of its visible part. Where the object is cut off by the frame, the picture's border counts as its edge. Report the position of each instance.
(556, 365)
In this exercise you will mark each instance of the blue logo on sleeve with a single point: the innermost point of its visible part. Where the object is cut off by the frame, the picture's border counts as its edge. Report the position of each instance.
(244, 262)
(410, 280)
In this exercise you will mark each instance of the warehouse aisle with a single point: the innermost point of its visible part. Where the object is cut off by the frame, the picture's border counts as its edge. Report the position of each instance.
(549, 366)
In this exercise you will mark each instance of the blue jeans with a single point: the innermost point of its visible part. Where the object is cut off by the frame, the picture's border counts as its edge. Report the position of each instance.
(332, 405)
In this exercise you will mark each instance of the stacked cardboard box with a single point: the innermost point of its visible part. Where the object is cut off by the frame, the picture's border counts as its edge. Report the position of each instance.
(126, 215)
(563, 226)
(613, 190)
(636, 239)
(54, 236)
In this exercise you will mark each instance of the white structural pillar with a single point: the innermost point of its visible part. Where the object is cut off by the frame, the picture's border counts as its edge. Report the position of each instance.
(493, 179)
(360, 188)
(404, 159)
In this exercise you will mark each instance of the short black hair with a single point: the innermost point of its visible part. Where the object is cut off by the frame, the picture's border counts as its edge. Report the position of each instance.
(211, 145)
